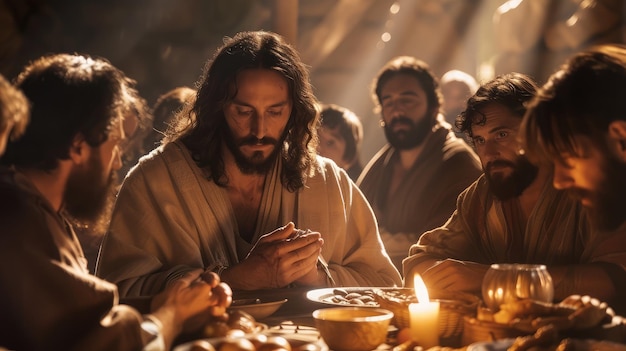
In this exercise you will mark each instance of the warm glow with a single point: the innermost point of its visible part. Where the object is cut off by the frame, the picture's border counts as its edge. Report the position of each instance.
(420, 289)
(395, 8)
(499, 294)
(424, 317)
(385, 37)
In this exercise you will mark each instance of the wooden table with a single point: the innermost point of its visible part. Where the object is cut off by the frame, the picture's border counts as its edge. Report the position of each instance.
(295, 316)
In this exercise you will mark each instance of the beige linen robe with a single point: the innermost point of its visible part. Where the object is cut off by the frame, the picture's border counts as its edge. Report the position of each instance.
(169, 218)
(556, 233)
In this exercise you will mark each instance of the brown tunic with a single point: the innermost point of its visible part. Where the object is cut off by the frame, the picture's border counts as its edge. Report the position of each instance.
(427, 195)
(48, 300)
(557, 233)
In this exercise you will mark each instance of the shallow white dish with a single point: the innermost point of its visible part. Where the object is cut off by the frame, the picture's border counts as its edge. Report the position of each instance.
(258, 309)
(324, 295)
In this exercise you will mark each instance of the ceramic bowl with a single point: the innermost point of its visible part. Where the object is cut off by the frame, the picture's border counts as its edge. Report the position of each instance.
(353, 328)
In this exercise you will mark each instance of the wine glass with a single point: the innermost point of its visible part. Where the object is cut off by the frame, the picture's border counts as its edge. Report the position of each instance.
(509, 282)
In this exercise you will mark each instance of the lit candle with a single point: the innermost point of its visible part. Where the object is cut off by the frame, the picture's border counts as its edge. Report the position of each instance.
(424, 317)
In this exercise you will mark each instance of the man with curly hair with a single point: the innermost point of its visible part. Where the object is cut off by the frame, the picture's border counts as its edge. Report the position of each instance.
(60, 171)
(227, 192)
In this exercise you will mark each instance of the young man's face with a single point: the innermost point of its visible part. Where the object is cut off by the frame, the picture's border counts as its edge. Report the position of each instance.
(332, 145)
(405, 111)
(495, 142)
(257, 118)
(596, 179)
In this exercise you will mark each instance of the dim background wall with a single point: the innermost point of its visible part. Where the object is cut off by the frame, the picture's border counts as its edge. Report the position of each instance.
(165, 43)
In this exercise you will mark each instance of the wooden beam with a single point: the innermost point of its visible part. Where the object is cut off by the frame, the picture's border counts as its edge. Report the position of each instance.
(285, 19)
(316, 45)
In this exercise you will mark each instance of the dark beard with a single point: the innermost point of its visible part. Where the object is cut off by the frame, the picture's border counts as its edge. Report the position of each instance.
(506, 188)
(608, 213)
(256, 164)
(411, 138)
(89, 196)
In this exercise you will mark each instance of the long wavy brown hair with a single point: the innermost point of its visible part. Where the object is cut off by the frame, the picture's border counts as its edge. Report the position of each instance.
(204, 125)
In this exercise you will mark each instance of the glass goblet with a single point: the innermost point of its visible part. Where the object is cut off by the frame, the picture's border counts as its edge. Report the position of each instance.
(509, 282)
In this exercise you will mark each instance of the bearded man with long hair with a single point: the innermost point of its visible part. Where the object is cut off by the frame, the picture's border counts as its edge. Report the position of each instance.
(237, 189)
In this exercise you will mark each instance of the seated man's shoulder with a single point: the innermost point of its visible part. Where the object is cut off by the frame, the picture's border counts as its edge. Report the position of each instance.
(13, 199)
(324, 166)
(327, 172)
(149, 159)
(480, 186)
(154, 162)
(21, 213)
(477, 191)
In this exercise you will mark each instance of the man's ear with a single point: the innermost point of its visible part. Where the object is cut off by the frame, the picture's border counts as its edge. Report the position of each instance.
(617, 138)
(79, 150)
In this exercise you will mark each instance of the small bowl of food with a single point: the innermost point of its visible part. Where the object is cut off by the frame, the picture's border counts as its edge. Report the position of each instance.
(353, 328)
(257, 308)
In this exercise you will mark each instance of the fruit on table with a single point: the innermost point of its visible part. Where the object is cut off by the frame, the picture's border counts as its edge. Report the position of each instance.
(202, 345)
(274, 343)
(236, 344)
(237, 320)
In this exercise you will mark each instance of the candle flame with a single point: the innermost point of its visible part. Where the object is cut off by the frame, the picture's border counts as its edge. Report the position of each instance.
(420, 289)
